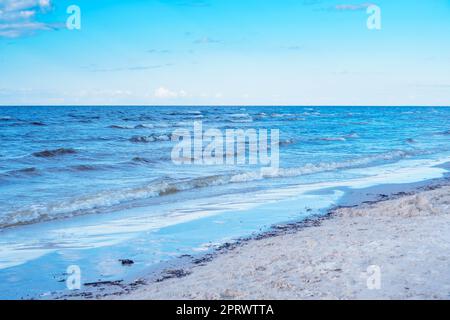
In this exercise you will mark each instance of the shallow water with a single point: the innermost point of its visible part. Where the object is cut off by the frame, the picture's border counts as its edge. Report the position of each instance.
(96, 184)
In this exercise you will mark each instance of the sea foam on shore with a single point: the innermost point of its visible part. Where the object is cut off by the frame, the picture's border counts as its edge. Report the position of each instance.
(407, 238)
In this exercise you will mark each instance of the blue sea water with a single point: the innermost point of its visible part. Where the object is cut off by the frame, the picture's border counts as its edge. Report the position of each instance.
(88, 186)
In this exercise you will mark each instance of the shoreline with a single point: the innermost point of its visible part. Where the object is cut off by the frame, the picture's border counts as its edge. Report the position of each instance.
(407, 237)
(157, 283)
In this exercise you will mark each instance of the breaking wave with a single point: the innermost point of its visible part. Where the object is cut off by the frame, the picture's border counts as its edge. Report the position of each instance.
(114, 199)
(20, 173)
(150, 138)
(54, 153)
(122, 127)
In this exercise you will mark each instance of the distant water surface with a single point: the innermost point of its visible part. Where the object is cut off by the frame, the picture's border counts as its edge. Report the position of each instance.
(64, 161)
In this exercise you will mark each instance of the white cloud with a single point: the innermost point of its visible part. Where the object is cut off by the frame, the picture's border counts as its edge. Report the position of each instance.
(206, 40)
(14, 30)
(44, 3)
(352, 7)
(17, 17)
(105, 93)
(18, 5)
(164, 93)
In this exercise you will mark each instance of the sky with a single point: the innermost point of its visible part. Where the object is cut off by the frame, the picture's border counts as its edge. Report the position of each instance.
(225, 52)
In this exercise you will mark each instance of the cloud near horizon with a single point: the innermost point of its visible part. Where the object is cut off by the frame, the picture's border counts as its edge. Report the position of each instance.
(352, 7)
(165, 93)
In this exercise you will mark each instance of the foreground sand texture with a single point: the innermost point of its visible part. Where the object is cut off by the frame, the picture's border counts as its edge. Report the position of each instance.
(408, 238)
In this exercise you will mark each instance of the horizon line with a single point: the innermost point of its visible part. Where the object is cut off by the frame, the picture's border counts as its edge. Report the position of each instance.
(214, 105)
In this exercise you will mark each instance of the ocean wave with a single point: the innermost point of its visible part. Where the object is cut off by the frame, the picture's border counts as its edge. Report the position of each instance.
(332, 139)
(84, 116)
(151, 125)
(239, 115)
(20, 173)
(240, 120)
(296, 119)
(287, 142)
(360, 123)
(11, 122)
(102, 201)
(322, 167)
(144, 126)
(139, 118)
(38, 123)
(143, 160)
(54, 153)
(115, 199)
(183, 124)
(122, 127)
(150, 138)
(84, 167)
(352, 135)
(32, 171)
(283, 116)
(140, 126)
(312, 113)
(184, 113)
(142, 139)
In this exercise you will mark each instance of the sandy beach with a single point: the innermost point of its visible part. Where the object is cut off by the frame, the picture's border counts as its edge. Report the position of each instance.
(406, 239)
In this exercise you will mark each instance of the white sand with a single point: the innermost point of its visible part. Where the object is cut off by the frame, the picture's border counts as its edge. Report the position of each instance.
(408, 238)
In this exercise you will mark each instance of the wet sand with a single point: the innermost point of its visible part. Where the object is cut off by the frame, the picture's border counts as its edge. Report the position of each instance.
(406, 239)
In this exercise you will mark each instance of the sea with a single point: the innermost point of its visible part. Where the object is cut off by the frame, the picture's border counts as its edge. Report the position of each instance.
(91, 186)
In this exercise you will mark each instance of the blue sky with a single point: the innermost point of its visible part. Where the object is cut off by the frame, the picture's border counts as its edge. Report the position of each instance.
(225, 52)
